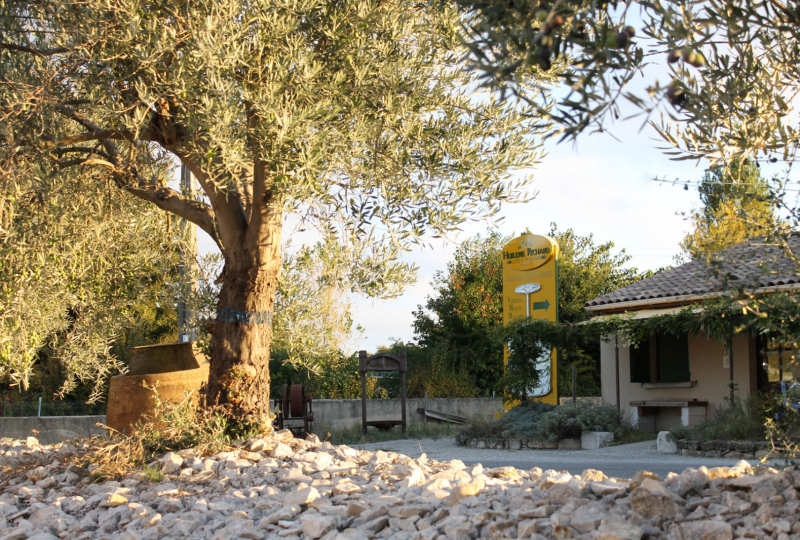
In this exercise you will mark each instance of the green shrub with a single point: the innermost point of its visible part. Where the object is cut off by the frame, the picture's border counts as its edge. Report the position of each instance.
(602, 418)
(561, 423)
(522, 420)
(537, 420)
(737, 422)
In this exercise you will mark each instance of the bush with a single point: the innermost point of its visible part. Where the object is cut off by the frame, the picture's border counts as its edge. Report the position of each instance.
(174, 427)
(737, 422)
(522, 421)
(560, 423)
(537, 420)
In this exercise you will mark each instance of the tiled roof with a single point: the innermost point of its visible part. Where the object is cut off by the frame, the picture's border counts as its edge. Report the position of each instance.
(752, 264)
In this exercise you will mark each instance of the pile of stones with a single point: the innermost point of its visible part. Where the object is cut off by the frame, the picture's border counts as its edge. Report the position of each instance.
(280, 487)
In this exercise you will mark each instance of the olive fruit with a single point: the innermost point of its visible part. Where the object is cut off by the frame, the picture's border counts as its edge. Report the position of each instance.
(630, 30)
(623, 40)
(611, 41)
(544, 59)
(696, 59)
(675, 94)
(541, 15)
(557, 21)
(674, 56)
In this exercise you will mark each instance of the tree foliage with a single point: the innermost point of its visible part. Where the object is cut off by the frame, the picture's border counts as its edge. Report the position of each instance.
(355, 115)
(736, 205)
(587, 270)
(458, 319)
(732, 69)
(466, 310)
(82, 279)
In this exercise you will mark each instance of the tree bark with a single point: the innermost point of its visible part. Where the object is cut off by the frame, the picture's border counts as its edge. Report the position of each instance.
(239, 373)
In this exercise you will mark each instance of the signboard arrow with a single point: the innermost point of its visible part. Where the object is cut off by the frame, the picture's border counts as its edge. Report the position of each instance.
(541, 305)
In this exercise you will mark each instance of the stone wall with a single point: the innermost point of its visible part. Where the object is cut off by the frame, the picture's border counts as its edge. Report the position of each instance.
(346, 413)
(50, 429)
(729, 449)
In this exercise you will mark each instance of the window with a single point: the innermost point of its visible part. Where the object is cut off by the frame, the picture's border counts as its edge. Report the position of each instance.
(664, 358)
(640, 362)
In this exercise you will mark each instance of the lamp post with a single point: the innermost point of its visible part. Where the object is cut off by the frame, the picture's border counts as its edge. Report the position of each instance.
(186, 260)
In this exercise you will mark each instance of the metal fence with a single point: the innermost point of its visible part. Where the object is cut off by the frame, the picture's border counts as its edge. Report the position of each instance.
(50, 408)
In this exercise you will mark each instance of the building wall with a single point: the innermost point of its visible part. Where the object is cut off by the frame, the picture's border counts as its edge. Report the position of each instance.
(705, 365)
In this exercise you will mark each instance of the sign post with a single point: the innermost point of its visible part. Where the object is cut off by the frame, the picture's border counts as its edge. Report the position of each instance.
(530, 289)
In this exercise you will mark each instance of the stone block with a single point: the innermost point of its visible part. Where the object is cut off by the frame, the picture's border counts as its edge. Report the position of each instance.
(692, 445)
(592, 440)
(514, 444)
(569, 444)
(744, 446)
(536, 444)
(665, 444)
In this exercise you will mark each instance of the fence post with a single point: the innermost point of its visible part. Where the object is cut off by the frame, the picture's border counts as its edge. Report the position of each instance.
(40, 407)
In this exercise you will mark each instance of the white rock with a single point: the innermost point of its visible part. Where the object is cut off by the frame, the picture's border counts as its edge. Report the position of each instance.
(665, 444)
(317, 526)
(171, 463)
(593, 440)
(281, 450)
(619, 530)
(301, 496)
(706, 530)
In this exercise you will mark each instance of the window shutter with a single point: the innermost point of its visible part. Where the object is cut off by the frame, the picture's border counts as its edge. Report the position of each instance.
(673, 358)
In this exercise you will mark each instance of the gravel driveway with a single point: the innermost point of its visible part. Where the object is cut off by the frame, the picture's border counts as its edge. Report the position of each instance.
(616, 461)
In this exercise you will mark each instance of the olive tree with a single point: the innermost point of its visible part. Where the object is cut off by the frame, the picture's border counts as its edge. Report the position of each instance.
(732, 68)
(353, 115)
(80, 277)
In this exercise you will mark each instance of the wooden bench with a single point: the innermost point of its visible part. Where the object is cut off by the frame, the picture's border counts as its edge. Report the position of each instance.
(644, 412)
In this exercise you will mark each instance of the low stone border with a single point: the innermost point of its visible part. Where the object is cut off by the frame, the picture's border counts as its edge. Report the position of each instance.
(728, 449)
(590, 440)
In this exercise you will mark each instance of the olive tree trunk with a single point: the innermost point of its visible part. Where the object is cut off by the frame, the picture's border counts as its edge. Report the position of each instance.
(239, 371)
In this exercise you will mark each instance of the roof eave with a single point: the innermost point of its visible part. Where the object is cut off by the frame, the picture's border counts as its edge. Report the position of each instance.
(670, 301)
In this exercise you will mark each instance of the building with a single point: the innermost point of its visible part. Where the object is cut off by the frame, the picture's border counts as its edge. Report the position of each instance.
(671, 380)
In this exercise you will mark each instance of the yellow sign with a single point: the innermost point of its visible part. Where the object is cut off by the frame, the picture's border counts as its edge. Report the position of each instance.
(530, 289)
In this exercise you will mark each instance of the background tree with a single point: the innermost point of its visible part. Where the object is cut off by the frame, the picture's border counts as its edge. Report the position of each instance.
(736, 205)
(460, 319)
(457, 320)
(354, 114)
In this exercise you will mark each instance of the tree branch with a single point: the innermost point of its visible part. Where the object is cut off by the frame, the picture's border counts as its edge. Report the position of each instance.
(99, 135)
(228, 209)
(37, 52)
(171, 201)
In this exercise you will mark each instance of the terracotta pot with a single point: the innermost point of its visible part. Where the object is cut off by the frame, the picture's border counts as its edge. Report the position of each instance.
(130, 401)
